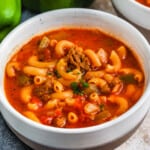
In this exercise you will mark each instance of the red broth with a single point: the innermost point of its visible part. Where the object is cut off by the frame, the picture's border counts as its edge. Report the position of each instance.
(144, 2)
(73, 78)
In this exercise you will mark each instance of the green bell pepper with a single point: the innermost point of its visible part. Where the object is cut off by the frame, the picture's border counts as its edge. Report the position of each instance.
(10, 14)
(44, 5)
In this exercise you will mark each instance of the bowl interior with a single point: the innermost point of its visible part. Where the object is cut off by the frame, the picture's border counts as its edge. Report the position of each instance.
(81, 18)
(85, 18)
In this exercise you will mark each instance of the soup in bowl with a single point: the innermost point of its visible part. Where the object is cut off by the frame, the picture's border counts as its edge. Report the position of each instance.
(65, 80)
(68, 82)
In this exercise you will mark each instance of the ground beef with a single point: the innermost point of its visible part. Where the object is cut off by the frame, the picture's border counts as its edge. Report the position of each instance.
(43, 91)
(76, 59)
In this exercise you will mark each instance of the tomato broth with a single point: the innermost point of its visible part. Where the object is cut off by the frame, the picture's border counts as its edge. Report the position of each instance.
(73, 78)
(144, 2)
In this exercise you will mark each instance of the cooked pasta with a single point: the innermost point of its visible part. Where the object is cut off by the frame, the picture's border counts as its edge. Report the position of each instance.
(121, 102)
(122, 52)
(116, 63)
(94, 97)
(32, 106)
(92, 74)
(93, 57)
(51, 104)
(39, 79)
(103, 56)
(58, 87)
(31, 115)
(70, 101)
(25, 94)
(61, 46)
(73, 78)
(61, 68)
(72, 117)
(34, 71)
(33, 61)
(62, 95)
(11, 68)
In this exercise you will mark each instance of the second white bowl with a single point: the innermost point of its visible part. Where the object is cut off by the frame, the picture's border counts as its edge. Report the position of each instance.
(134, 12)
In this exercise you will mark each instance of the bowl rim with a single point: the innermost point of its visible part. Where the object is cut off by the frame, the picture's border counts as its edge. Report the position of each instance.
(135, 3)
(105, 125)
(139, 5)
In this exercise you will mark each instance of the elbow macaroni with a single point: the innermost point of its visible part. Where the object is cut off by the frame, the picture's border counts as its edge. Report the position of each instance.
(39, 80)
(61, 68)
(34, 71)
(103, 56)
(62, 95)
(25, 94)
(72, 117)
(51, 104)
(33, 61)
(93, 57)
(116, 63)
(67, 85)
(70, 101)
(98, 81)
(31, 115)
(122, 52)
(121, 102)
(61, 46)
(94, 74)
(11, 68)
(94, 97)
(58, 87)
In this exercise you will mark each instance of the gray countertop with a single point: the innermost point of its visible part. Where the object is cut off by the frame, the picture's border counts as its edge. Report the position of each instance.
(140, 140)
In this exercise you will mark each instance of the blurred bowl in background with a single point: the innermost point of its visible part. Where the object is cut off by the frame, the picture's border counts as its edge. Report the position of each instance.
(134, 11)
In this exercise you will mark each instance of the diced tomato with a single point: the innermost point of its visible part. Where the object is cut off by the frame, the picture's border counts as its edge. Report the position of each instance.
(79, 102)
(47, 54)
(37, 101)
(82, 117)
(58, 112)
(47, 120)
(78, 105)
(80, 97)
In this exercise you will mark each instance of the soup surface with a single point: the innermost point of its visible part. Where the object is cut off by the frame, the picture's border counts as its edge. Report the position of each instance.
(144, 2)
(73, 78)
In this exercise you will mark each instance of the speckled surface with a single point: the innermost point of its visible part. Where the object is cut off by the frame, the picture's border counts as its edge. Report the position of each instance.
(140, 140)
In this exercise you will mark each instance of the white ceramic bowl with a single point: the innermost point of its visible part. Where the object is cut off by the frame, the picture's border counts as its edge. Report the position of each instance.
(83, 137)
(134, 12)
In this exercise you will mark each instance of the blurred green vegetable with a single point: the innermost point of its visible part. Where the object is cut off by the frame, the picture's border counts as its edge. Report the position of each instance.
(128, 78)
(44, 5)
(10, 14)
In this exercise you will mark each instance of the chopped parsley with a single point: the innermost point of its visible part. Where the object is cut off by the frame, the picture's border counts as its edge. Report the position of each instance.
(75, 88)
(84, 84)
(78, 87)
